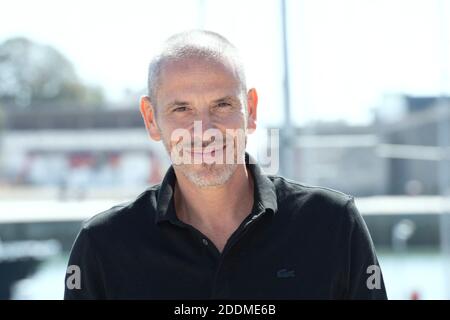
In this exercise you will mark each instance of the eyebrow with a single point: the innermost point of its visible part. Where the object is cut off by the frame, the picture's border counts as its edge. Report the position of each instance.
(178, 103)
(225, 99)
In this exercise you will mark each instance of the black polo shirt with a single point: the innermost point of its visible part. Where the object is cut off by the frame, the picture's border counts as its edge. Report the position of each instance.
(298, 242)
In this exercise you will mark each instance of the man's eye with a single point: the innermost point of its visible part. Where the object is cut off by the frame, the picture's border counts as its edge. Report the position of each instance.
(223, 105)
(180, 109)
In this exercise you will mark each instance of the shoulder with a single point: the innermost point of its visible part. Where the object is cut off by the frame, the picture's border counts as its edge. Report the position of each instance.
(296, 198)
(124, 217)
(292, 191)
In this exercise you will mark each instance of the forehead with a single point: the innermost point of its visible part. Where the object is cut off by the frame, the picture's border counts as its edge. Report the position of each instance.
(191, 77)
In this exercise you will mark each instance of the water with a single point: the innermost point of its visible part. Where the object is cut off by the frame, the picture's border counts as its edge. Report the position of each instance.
(422, 272)
(47, 283)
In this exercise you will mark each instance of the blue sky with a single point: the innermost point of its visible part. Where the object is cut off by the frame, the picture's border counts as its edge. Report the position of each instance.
(344, 55)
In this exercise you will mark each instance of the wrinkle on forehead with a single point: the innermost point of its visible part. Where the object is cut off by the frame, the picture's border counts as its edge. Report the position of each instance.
(191, 77)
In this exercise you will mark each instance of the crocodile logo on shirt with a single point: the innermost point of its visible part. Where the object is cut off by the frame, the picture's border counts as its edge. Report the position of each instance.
(284, 273)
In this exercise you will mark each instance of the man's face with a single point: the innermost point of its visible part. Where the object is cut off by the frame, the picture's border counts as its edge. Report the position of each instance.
(201, 119)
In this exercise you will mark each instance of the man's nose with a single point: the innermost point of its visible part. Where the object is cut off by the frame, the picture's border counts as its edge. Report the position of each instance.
(202, 122)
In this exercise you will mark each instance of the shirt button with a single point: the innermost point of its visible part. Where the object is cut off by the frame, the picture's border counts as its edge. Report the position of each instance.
(205, 242)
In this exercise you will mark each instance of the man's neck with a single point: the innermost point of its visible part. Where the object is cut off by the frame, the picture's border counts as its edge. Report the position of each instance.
(215, 211)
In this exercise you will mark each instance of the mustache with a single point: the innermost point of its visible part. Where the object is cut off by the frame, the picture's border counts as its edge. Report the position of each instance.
(198, 144)
(201, 146)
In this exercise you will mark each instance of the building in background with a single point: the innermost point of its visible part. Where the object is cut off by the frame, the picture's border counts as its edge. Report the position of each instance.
(339, 156)
(398, 154)
(82, 151)
(410, 141)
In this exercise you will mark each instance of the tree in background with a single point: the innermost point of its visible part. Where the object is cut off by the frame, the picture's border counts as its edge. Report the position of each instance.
(36, 76)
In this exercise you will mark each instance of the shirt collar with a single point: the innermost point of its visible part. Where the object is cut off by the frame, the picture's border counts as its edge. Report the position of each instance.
(265, 197)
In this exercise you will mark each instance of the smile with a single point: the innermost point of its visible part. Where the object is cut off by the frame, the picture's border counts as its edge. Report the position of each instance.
(207, 151)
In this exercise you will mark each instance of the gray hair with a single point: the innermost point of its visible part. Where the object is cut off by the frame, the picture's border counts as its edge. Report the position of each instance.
(202, 44)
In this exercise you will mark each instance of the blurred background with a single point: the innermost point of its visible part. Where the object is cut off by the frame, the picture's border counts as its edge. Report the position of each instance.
(359, 89)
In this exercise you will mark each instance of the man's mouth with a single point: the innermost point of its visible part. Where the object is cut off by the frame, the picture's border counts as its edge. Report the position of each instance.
(207, 151)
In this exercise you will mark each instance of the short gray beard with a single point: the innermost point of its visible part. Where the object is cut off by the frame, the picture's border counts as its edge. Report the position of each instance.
(217, 174)
(221, 173)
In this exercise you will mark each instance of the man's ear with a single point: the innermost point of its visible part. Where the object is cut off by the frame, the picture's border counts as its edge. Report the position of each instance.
(148, 114)
(252, 105)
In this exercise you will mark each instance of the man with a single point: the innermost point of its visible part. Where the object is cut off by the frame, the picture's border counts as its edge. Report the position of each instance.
(218, 228)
